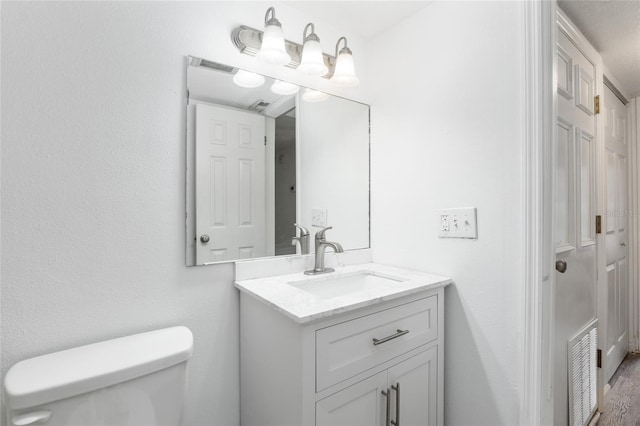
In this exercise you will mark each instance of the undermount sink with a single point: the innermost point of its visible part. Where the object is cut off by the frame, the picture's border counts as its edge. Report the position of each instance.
(331, 286)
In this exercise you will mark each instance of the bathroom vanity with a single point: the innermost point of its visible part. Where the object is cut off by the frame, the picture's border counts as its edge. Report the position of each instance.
(360, 346)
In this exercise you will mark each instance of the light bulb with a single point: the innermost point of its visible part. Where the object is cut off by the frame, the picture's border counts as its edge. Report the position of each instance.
(344, 74)
(284, 88)
(273, 49)
(312, 61)
(248, 79)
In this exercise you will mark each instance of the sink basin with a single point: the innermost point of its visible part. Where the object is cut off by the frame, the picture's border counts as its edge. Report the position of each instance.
(331, 286)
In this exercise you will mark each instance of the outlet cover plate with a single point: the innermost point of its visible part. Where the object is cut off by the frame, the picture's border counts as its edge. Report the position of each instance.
(318, 217)
(458, 223)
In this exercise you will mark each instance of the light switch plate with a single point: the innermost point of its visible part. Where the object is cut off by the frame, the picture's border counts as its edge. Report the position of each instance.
(458, 223)
(319, 217)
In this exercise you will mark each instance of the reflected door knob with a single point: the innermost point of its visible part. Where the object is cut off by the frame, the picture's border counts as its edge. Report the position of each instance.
(561, 266)
(204, 238)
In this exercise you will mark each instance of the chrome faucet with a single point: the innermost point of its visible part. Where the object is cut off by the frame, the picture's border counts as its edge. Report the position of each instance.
(321, 246)
(303, 239)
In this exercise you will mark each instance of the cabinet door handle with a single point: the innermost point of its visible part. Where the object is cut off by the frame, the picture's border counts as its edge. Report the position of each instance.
(393, 336)
(397, 389)
(387, 395)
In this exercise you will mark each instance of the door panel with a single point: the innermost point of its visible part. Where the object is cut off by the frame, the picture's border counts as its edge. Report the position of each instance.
(361, 404)
(418, 381)
(616, 303)
(230, 189)
(574, 207)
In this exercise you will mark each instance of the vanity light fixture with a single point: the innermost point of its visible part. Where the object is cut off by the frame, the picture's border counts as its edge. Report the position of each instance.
(284, 88)
(311, 95)
(248, 79)
(309, 59)
(344, 74)
(312, 61)
(273, 49)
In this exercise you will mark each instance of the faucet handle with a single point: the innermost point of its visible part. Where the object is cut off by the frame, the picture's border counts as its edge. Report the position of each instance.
(303, 231)
(320, 233)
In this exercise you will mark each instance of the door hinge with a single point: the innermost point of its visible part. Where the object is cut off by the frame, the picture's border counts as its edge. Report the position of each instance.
(596, 105)
(599, 358)
(265, 141)
(598, 224)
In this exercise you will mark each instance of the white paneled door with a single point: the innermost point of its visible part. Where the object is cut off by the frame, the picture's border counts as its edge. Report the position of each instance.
(614, 304)
(575, 204)
(230, 184)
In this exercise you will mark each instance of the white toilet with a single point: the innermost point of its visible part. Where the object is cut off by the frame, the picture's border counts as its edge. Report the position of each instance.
(137, 380)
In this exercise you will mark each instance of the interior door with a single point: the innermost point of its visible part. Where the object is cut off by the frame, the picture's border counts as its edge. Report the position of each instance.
(574, 209)
(230, 184)
(614, 307)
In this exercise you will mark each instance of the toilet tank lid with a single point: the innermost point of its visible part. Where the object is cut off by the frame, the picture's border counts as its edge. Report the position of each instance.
(75, 371)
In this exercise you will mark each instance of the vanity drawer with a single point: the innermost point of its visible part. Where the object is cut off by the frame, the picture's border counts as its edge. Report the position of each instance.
(348, 348)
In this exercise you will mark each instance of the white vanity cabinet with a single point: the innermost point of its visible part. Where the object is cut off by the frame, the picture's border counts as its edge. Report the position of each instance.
(360, 367)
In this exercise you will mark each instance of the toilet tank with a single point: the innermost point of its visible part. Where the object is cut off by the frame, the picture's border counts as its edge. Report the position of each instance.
(137, 380)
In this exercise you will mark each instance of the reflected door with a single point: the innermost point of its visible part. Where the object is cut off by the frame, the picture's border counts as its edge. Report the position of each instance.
(615, 317)
(230, 186)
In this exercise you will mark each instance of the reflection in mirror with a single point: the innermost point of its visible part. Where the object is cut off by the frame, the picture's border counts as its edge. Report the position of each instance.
(259, 161)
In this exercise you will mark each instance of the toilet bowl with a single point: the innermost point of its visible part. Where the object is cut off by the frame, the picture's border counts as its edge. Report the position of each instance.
(137, 380)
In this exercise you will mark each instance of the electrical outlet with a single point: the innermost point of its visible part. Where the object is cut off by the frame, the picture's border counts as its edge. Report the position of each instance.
(444, 222)
(458, 223)
(319, 217)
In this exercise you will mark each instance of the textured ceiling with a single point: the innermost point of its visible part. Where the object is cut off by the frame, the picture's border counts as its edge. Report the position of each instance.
(613, 28)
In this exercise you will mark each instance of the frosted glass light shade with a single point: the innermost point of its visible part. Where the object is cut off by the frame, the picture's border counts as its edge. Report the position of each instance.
(312, 62)
(284, 88)
(345, 74)
(310, 95)
(248, 79)
(272, 49)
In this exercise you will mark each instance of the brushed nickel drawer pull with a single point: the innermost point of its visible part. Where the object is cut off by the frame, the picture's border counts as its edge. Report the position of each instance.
(393, 336)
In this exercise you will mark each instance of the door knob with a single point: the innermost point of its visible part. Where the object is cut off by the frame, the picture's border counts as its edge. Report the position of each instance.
(561, 266)
(204, 238)
(623, 244)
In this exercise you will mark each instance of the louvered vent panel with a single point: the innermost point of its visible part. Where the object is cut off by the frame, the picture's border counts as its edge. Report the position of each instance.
(582, 375)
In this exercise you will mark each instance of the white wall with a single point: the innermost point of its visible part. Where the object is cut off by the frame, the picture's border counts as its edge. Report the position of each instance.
(333, 154)
(93, 181)
(446, 120)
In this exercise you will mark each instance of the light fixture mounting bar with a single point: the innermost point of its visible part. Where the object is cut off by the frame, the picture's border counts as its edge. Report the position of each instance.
(248, 40)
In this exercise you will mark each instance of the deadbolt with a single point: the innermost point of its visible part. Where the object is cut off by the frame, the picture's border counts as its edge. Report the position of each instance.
(204, 238)
(561, 266)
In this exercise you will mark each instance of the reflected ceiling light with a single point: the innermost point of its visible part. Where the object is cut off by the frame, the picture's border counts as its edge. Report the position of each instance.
(284, 88)
(273, 49)
(248, 79)
(312, 61)
(310, 95)
(344, 74)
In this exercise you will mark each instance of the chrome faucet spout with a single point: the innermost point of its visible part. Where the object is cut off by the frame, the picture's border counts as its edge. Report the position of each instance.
(303, 239)
(321, 246)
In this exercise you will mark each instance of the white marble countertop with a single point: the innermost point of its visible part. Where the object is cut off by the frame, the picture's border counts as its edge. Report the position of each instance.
(304, 306)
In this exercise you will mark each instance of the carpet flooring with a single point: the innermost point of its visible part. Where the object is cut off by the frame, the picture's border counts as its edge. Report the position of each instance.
(622, 402)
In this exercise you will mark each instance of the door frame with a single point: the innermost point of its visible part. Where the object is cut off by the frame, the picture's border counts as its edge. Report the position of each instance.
(538, 138)
(633, 114)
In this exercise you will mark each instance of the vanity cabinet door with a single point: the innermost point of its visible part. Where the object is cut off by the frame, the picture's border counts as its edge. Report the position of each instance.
(362, 404)
(418, 384)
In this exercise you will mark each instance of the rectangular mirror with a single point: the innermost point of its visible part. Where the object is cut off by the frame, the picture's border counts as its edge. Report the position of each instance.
(259, 161)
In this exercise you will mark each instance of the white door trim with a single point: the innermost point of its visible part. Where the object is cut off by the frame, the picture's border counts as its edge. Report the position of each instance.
(633, 114)
(539, 106)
